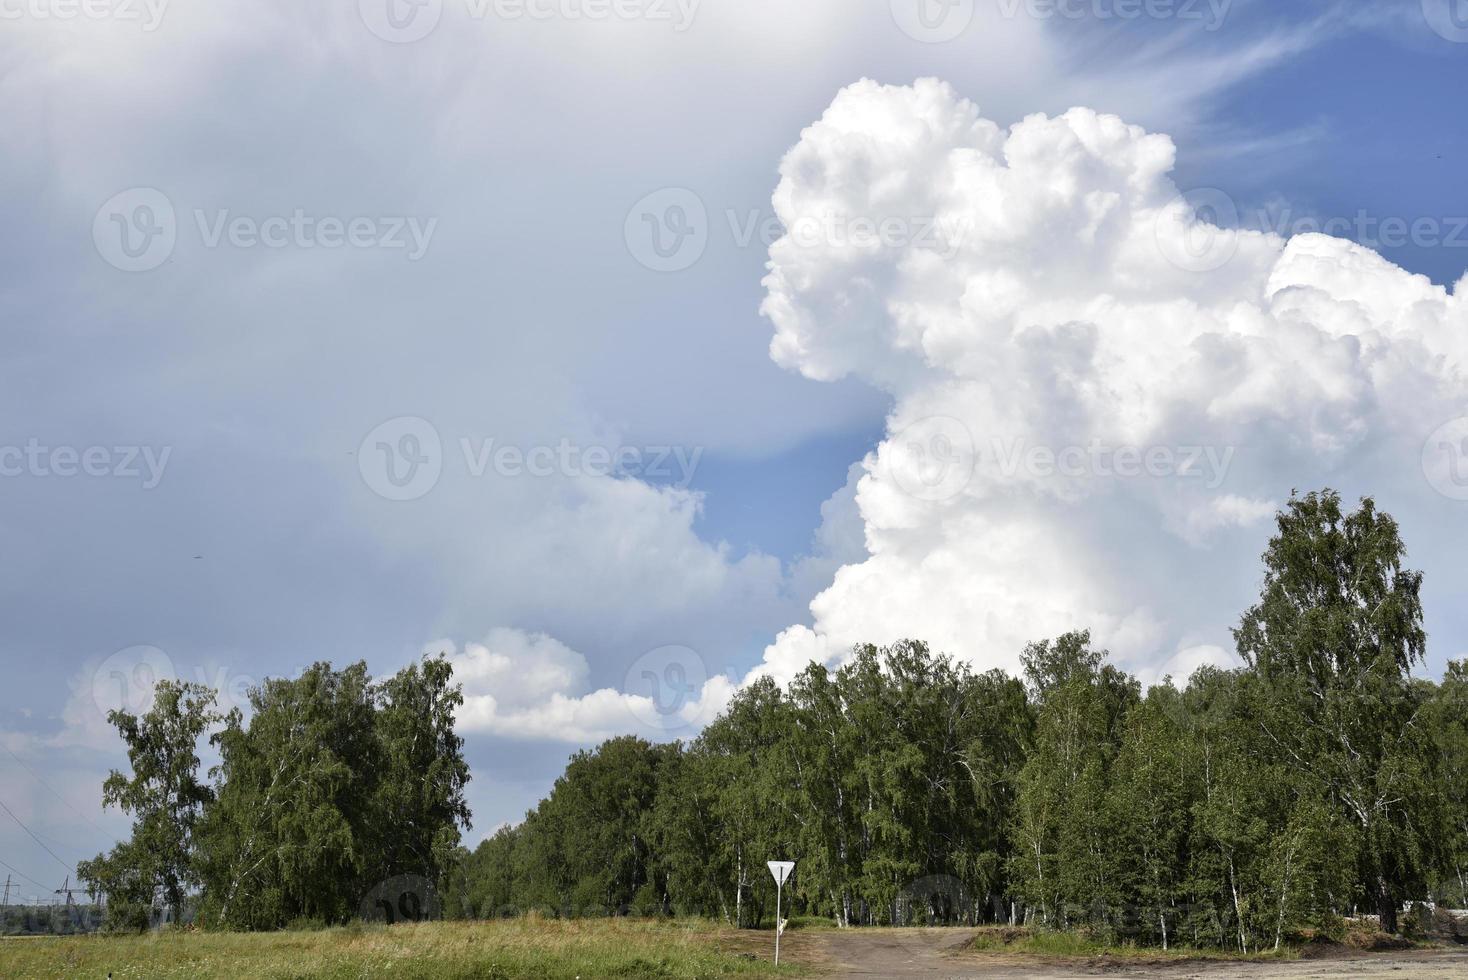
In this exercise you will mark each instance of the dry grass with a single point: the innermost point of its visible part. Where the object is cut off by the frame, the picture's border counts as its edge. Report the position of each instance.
(497, 950)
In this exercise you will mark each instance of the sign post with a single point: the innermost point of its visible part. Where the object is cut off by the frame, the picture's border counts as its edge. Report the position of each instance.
(781, 870)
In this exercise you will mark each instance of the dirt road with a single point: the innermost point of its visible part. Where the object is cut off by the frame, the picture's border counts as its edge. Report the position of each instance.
(938, 953)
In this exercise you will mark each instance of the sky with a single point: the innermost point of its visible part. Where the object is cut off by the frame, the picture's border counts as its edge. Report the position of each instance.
(549, 336)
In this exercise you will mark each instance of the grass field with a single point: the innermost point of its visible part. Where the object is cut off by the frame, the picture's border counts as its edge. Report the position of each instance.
(592, 949)
(497, 950)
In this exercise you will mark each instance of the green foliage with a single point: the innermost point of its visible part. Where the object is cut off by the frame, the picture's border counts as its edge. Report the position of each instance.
(288, 837)
(1445, 717)
(1062, 865)
(1232, 814)
(419, 803)
(585, 851)
(888, 779)
(1225, 815)
(1333, 640)
(1146, 809)
(165, 798)
(334, 786)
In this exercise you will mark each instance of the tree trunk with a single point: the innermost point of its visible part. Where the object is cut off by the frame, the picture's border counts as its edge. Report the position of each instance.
(1386, 905)
(1284, 894)
(739, 889)
(1238, 912)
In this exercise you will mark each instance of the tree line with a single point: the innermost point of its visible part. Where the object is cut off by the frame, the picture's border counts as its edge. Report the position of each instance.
(335, 784)
(1320, 780)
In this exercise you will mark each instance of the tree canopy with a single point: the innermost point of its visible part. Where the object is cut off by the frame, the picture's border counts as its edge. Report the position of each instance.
(1319, 780)
(333, 785)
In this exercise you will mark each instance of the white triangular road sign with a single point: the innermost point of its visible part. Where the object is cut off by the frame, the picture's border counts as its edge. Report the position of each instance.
(781, 870)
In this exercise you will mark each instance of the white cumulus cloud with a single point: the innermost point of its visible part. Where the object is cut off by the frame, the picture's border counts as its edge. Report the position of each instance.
(522, 685)
(1099, 397)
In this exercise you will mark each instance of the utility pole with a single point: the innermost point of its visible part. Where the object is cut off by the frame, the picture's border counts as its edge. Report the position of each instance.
(6, 903)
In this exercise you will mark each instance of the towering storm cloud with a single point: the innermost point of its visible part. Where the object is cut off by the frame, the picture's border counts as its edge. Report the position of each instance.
(1101, 390)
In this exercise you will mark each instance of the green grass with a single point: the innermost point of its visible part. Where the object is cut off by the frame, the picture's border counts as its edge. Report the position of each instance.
(499, 950)
(805, 923)
(1080, 945)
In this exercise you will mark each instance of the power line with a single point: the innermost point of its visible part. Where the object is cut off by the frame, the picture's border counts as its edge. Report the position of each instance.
(35, 838)
(64, 801)
(22, 874)
(52, 840)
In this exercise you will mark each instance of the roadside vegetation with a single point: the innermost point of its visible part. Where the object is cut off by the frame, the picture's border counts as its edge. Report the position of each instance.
(1076, 944)
(1049, 944)
(524, 949)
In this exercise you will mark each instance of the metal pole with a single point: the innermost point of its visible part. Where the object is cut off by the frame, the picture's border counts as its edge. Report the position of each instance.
(779, 887)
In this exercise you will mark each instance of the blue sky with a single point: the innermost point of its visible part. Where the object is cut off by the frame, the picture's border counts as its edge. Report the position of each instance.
(529, 320)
